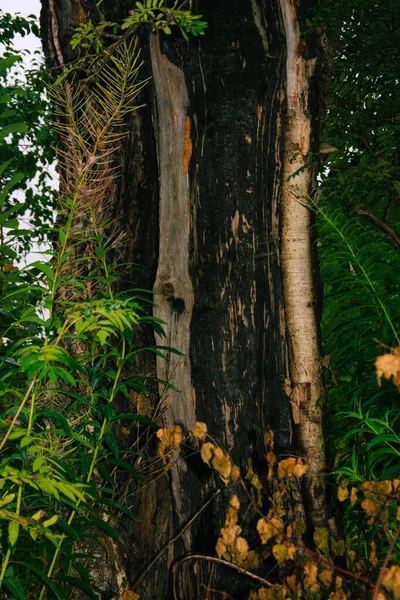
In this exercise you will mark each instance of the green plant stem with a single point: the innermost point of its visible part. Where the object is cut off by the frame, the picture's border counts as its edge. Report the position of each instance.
(385, 564)
(91, 468)
(31, 414)
(63, 247)
(8, 553)
(21, 406)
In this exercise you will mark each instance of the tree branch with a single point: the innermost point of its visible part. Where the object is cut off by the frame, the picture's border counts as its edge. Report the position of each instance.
(382, 225)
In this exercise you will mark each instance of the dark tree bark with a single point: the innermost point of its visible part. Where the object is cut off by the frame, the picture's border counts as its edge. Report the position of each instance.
(209, 212)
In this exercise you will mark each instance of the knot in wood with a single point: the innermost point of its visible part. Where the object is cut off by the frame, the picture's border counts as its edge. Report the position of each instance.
(167, 289)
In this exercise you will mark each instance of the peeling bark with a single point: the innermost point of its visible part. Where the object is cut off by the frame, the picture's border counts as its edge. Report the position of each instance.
(297, 266)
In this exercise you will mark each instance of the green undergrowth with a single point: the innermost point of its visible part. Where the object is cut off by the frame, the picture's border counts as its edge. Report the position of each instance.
(69, 347)
(361, 321)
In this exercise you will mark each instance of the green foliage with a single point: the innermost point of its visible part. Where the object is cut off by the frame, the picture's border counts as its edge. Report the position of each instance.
(69, 347)
(357, 222)
(163, 18)
(24, 112)
(155, 13)
(89, 36)
(357, 226)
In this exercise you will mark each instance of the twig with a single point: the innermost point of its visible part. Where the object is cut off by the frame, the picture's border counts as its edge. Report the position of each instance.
(385, 564)
(21, 406)
(165, 546)
(210, 576)
(224, 595)
(219, 561)
(108, 54)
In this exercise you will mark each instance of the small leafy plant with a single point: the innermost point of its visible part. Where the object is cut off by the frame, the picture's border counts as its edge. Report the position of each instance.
(155, 13)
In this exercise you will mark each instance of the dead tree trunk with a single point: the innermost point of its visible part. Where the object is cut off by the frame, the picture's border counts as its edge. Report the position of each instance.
(210, 213)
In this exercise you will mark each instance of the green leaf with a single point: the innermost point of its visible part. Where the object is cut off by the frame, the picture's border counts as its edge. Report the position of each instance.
(5, 164)
(137, 418)
(47, 581)
(7, 499)
(106, 527)
(111, 441)
(125, 466)
(68, 530)
(13, 531)
(48, 487)
(7, 62)
(12, 128)
(44, 268)
(321, 539)
(75, 582)
(26, 441)
(14, 586)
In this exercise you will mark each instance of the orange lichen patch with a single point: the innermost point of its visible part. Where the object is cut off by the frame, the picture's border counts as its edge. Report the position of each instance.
(252, 476)
(326, 578)
(235, 475)
(194, 401)
(187, 146)
(269, 439)
(283, 552)
(310, 580)
(376, 497)
(342, 494)
(353, 496)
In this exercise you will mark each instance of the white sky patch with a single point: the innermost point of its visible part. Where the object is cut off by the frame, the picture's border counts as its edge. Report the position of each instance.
(25, 8)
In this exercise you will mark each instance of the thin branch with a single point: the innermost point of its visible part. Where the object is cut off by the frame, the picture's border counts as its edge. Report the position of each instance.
(224, 595)
(219, 561)
(109, 53)
(385, 564)
(382, 225)
(21, 406)
(165, 546)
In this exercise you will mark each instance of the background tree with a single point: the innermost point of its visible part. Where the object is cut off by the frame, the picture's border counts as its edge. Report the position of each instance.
(209, 210)
(358, 226)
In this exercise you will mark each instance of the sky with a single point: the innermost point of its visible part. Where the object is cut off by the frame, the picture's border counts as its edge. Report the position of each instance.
(25, 7)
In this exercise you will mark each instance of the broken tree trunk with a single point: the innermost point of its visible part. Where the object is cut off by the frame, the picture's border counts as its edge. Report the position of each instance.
(209, 211)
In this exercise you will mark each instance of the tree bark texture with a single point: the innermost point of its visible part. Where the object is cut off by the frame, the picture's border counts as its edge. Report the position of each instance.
(210, 213)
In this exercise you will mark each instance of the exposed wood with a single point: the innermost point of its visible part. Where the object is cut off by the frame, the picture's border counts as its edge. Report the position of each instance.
(297, 265)
(173, 286)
